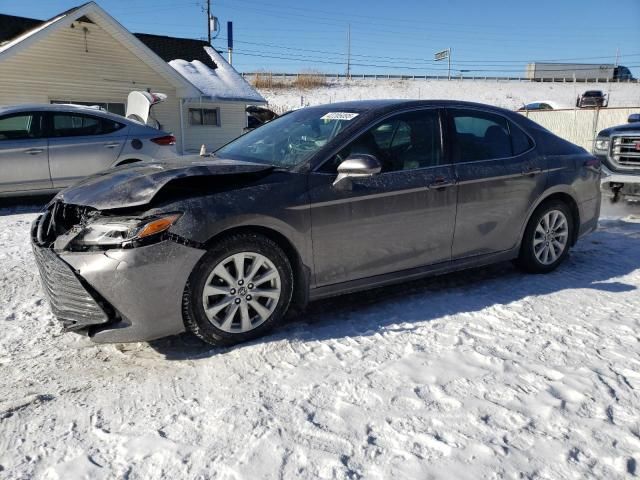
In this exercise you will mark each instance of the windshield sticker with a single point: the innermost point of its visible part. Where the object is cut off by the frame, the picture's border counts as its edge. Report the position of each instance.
(339, 116)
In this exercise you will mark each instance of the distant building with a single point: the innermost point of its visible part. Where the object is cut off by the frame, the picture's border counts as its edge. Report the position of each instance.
(85, 56)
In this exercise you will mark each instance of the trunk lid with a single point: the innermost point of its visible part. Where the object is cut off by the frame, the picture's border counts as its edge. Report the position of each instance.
(139, 104)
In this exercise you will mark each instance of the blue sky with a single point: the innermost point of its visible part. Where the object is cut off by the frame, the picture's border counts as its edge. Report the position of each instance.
(487, 37)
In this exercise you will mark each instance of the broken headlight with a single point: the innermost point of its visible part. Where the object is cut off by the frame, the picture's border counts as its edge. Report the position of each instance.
(118, 232)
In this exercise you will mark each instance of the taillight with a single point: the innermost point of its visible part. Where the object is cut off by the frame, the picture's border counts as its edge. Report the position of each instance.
(166, 140)
(593, 164)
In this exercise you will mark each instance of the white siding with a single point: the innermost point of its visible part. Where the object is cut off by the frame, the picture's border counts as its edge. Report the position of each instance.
(580, 126)
(63, 66)
(233, 120)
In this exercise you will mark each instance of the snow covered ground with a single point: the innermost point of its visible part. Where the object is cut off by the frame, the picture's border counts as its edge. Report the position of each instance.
(485, 374)
(507, 94)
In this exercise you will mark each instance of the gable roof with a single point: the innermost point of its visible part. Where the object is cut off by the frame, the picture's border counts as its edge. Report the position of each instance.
(171, 48)
(193, 66)
(167, 48)
(92, 12)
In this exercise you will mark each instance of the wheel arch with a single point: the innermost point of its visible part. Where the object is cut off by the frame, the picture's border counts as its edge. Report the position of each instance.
(564, 196)
(301, 272)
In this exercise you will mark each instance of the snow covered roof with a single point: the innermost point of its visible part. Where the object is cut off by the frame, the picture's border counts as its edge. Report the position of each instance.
(222, 84)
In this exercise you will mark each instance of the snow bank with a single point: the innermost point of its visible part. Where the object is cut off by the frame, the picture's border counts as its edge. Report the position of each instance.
(489, 373)
(223, 83)
(507, 94)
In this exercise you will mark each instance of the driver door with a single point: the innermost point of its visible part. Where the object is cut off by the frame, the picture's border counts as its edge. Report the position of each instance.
(399, 219)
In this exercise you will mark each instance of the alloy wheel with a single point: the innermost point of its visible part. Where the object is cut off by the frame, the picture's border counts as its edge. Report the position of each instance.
(551, 237)
(241, 292)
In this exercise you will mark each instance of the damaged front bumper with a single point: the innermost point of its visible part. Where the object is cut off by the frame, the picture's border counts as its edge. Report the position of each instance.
(118, 295)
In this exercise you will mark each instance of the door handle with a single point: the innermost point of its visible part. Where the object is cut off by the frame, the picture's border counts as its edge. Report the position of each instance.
(34, 151)
(531, 171)
(441, 182)
(112, 145)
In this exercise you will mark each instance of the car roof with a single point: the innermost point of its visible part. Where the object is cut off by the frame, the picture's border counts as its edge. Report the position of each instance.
(399, 104)
(58, 107)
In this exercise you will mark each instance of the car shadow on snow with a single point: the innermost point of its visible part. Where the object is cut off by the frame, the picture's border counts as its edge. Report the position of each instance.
(14, 206)
(596, 263)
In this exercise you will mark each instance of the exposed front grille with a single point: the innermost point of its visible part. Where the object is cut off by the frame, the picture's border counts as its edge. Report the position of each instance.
(58, 219)
(625, 152)
(70, 302)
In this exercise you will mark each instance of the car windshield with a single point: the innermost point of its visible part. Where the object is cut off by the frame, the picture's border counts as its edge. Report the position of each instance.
(291, 139)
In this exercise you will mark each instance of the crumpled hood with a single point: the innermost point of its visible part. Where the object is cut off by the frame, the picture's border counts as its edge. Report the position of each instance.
(136, 184)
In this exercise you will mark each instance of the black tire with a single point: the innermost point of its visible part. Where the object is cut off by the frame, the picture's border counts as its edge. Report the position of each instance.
(195, 319)
(527, 259)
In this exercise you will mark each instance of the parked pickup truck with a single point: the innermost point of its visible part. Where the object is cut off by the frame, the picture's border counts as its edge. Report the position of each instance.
(618, 148)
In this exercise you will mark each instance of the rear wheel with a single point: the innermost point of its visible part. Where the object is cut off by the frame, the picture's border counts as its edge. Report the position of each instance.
(240, 289)
(547, 238)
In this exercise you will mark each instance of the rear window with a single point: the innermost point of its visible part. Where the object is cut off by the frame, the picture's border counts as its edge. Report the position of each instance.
(520, 141)
(479, 136)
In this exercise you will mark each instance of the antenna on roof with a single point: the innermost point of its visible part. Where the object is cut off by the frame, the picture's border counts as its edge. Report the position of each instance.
(212, 24)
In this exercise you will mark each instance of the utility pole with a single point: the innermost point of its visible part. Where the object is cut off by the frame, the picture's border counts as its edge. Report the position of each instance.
(449, 57)
(349, 52)
(617, 56)
(209, 21)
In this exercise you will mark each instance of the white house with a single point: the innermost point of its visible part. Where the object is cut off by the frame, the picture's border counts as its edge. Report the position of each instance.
(85, 56)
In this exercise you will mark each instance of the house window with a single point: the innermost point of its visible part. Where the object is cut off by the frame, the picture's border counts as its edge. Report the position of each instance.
(117, 108)
(204, 116)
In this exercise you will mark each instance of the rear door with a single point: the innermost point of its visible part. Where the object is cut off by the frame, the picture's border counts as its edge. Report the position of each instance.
(499, 177)
(24, 162)
(81, 144)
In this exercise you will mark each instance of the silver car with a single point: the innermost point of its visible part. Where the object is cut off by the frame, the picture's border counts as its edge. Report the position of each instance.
(44, 148)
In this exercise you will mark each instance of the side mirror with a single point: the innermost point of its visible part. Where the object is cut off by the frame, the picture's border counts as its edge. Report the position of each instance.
(633, 118)
(357, 165)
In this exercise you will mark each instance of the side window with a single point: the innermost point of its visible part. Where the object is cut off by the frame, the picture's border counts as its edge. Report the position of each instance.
(20, 126)
(204, 116)
(76, 125)
(520, 142)
(479, 136)
(117, 108)
(404, 142)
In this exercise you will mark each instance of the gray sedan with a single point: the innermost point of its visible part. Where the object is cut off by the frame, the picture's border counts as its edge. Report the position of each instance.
(44, 148)
(323, 201)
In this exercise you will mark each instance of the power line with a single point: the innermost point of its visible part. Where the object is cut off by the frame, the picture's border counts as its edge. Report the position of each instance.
(256, 54)
(472, 62)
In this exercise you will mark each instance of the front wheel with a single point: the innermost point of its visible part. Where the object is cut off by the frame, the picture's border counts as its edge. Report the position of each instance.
(241, 288)
(547, 238)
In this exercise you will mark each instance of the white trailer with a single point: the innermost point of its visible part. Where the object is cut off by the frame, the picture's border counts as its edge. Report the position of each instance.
(569, 71)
